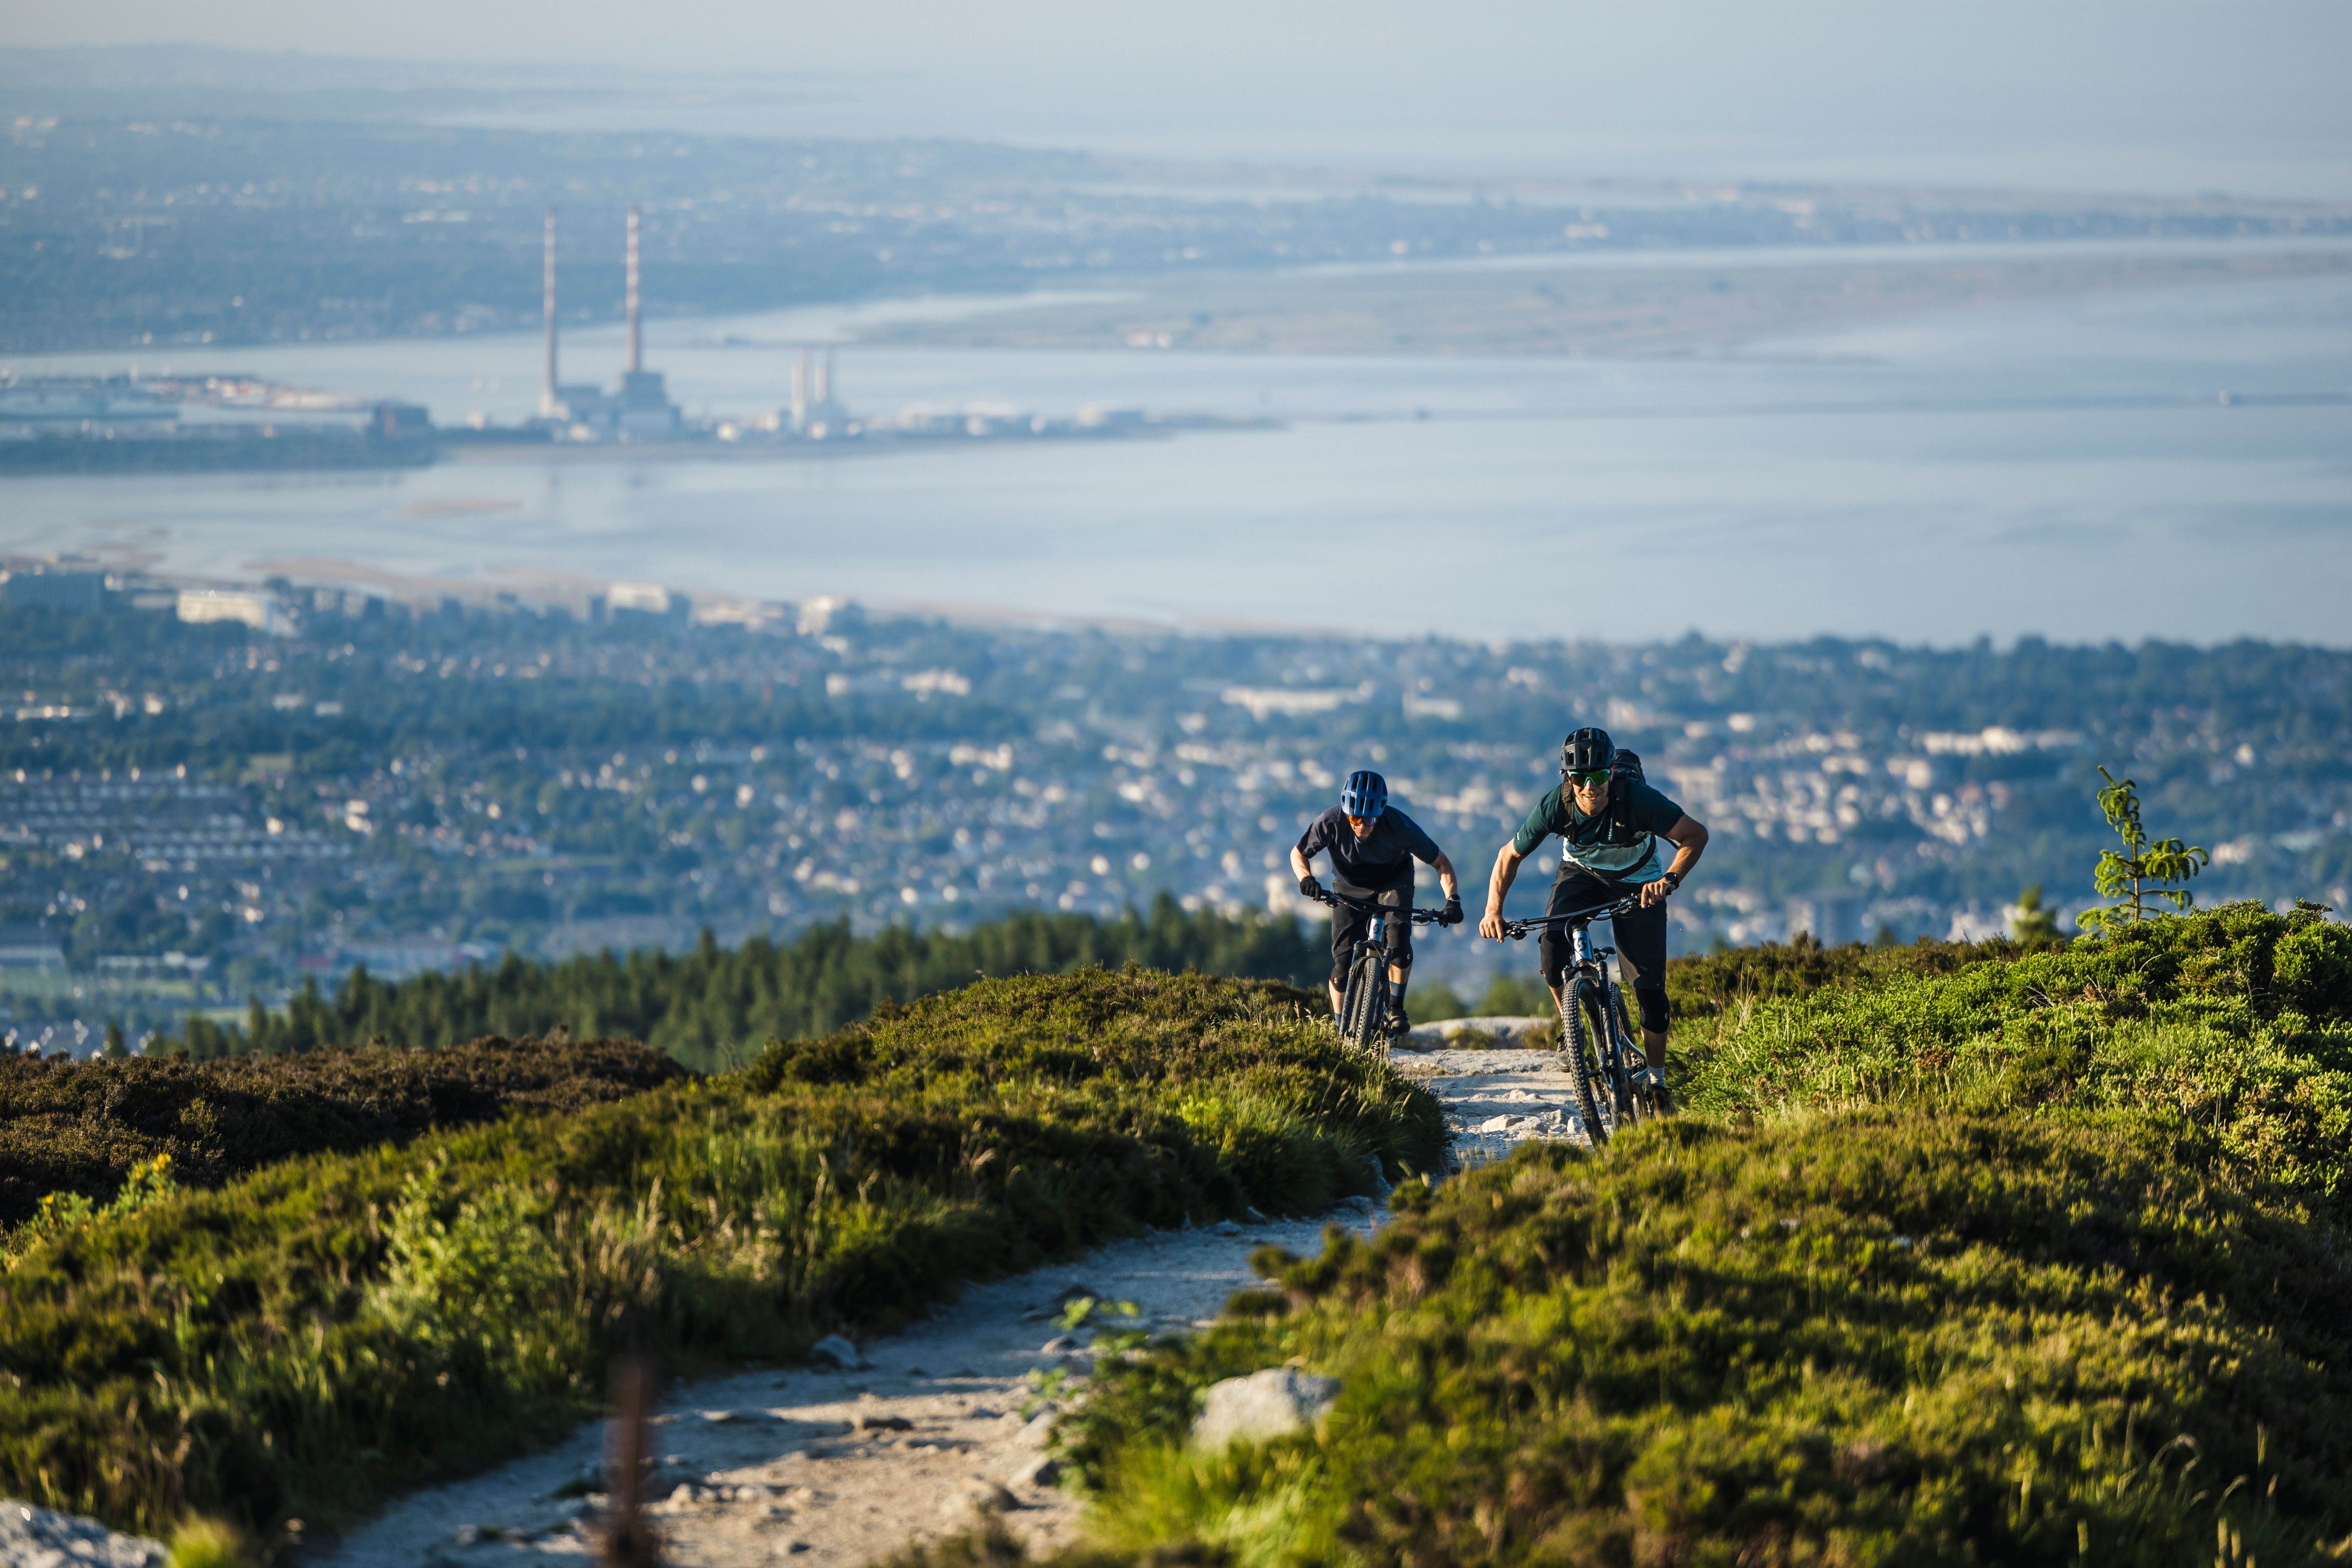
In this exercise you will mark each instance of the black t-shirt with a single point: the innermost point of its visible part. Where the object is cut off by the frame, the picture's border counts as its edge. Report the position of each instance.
(1382, 858)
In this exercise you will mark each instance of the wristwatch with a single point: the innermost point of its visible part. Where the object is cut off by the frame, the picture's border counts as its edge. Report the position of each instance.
(1674, 881)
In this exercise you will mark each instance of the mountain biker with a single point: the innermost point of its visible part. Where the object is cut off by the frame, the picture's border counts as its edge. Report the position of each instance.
(1373, 845)
(1609, 826)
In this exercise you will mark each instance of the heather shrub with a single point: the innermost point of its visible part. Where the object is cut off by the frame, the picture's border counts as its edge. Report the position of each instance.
(309, 1337)
(2231, 1030)
(80, 1127)
(1868, 1336)
(1977, 1255)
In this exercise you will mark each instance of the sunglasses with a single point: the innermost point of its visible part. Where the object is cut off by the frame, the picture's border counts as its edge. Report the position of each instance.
(1595, 778)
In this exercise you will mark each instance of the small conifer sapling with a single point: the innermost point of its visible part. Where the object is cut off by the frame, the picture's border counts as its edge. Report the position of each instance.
(2138, 876)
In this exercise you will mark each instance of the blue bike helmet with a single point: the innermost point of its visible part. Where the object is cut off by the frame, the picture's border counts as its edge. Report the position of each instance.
(1366, 795)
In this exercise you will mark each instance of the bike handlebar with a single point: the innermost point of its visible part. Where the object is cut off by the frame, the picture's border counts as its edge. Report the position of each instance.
(1419, 917)
(1518, 929)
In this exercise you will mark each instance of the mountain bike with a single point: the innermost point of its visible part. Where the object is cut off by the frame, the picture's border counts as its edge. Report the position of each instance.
(1364, 1020)
(1596, 1043)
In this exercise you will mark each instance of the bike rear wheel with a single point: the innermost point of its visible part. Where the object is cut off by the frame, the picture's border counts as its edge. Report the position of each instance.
(1616, 1066)
(1629, 1089)
(1578, 1006)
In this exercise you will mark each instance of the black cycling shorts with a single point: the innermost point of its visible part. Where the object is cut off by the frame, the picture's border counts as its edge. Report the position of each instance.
(1350, 926)
(1640, 938)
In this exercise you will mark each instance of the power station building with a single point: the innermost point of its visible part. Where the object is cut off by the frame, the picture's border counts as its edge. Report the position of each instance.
(637, 408)
(816, 412)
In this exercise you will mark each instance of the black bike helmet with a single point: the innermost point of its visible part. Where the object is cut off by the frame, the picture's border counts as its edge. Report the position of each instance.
(1366, 795)
(1589, 750)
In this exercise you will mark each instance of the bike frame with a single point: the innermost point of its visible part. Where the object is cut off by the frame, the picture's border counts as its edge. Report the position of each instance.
(1372, 1022)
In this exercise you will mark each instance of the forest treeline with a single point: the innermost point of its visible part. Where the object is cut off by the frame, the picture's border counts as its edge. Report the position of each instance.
(710, 1008)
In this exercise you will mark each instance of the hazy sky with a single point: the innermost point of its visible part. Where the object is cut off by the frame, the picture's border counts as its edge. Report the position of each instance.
(2171, 94)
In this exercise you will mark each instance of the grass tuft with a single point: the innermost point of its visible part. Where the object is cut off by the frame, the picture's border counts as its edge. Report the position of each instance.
(202, 1542)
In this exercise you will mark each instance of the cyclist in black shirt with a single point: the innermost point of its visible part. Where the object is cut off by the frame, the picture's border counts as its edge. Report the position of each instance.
(1372, 847)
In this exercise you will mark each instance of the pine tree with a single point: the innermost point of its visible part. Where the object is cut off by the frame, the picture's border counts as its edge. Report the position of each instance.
(2035, 925)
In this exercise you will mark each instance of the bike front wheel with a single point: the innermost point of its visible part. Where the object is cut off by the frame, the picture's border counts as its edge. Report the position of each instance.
(1579, 1007)
(1363, 1006)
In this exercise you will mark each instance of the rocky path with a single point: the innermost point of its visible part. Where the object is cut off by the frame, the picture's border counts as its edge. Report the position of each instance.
(821, 1465)
(1496, 1099)
(825, 1466)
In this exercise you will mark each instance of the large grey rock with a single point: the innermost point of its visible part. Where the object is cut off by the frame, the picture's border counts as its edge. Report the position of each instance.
(840, 1351)
(1264, 1406)
(38, 1538)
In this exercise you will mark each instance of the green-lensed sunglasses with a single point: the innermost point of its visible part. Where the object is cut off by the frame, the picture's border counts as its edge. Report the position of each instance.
(1592, 778)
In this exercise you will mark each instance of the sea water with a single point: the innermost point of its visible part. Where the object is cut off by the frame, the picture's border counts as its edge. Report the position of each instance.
(2174, 462)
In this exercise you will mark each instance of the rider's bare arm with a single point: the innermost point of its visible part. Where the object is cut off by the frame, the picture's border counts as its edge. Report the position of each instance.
(1445, 877)
(1507, 868)
(1689, 840)
(1298, 865)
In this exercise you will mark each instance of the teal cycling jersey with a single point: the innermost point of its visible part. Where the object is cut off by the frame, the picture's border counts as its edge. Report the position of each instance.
(1618, 842)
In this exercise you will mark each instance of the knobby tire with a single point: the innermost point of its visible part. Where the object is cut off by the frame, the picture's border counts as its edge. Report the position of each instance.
(1373, 1033)
(1573, 1010)
(1360, 1007)
(1609, 1024)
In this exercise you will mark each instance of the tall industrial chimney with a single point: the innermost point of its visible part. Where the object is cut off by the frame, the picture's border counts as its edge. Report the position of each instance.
(636, 360)
(801, 390)
(547, 392)
(824, 382)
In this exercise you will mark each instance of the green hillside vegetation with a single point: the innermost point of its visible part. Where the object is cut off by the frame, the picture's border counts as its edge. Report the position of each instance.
(702, 1006)
(80, 1127)
(1707, 986)
(310, 1339)
(2227, 1031)
(2037, 1261)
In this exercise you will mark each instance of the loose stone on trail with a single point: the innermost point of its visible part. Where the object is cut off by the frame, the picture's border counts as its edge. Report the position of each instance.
(1264, 1406)
(840, 1352)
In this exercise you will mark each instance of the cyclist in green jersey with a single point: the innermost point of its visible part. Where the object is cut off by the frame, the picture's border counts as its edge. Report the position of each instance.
(1609, 826)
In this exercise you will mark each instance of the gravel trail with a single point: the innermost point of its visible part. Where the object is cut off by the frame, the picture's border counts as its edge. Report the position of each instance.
(819, 1466)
